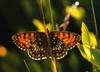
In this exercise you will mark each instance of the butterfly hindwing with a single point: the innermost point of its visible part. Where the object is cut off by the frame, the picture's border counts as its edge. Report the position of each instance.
(37, 50)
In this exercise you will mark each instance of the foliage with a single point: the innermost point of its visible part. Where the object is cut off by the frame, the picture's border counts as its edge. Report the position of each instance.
(88, 48)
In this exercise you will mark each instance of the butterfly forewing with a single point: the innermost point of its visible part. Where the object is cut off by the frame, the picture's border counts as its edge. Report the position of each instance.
(33, 42)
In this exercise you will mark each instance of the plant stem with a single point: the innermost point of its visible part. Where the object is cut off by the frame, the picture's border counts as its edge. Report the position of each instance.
(67, 17)
(53, 61)
(27, 66)
(43, 16)
(95, 23)
(52, 24)
(51, 15)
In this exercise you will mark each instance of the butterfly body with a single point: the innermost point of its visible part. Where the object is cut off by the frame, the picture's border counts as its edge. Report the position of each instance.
(40, 46)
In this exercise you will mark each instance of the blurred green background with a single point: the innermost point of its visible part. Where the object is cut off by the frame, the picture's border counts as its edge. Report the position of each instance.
(17, 16)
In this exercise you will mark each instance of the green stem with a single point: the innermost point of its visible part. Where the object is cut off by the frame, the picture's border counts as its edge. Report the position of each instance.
(51, 15)
(95, 23)
(52, 24)
(27, 66)
(41, 7)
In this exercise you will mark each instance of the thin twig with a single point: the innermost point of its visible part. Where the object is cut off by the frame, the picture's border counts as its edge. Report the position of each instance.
(53, 61)
(67, 17)
(27, 66)
(51, 15)
(43, 15)
(95, 23)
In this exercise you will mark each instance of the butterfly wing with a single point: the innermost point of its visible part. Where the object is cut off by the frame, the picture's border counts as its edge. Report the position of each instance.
(33, 42)
(23, 39)
(36, 44)
(61, 42)
(38, 49)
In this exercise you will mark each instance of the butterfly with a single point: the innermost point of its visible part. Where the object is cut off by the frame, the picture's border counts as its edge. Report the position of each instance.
(39, 46)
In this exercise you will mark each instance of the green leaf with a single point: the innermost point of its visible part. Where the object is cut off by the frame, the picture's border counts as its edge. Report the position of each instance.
(89, 41)
(96, 57)
(86, 40)
(96, 70)
(93, 57)
(93, 41)
(85, 34)
(85, 52)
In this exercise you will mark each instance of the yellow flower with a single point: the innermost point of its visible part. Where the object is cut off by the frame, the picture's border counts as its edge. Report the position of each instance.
(40, 26)
(77, 12)
(3, 50)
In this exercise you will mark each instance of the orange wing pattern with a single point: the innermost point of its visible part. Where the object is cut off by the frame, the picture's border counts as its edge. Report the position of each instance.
(61, 42)
(37, 47)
